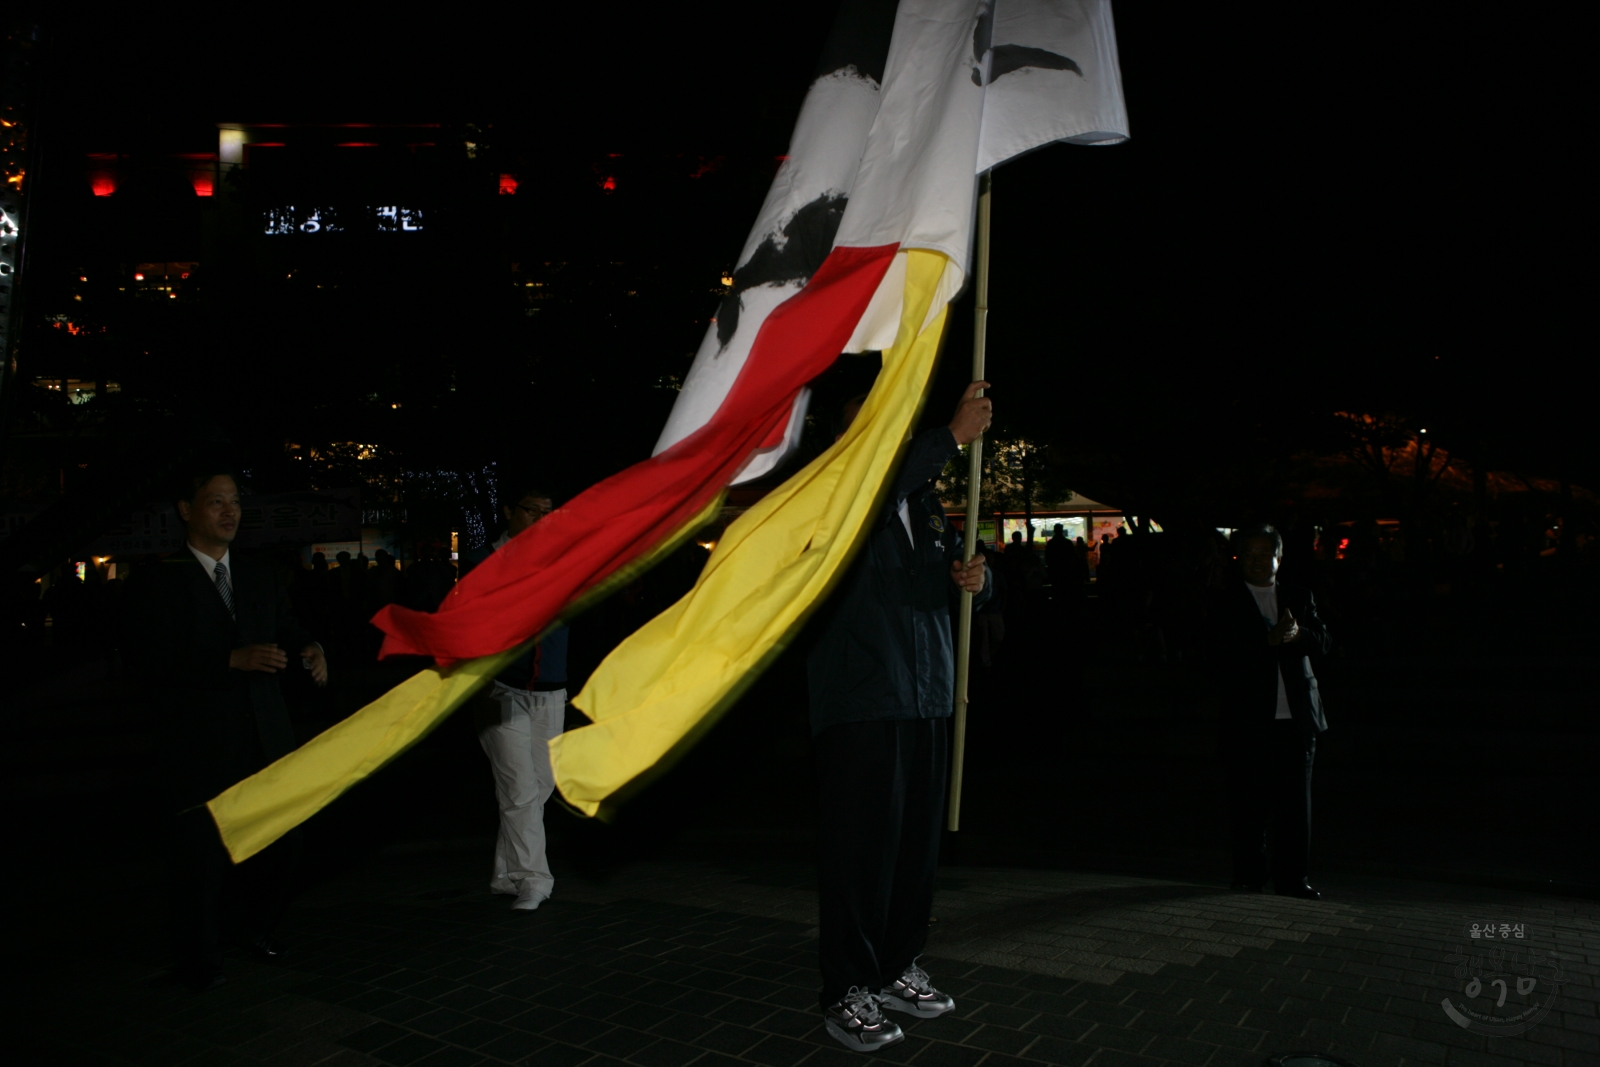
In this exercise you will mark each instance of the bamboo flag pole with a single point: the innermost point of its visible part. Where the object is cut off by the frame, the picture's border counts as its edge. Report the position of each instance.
(974, 485)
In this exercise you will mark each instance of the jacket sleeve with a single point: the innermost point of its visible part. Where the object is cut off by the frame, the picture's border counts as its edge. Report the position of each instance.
(954, 549)
(291, 636)
(1314, 635)
(925, 460)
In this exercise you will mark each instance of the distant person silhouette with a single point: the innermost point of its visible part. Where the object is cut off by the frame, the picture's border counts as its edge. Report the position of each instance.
(1058, 555)
(383, 583)
(1262, 634)
(427, 581)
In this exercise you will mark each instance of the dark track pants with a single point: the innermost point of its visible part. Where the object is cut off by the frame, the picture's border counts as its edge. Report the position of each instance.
(882, 809)
(1269, 780)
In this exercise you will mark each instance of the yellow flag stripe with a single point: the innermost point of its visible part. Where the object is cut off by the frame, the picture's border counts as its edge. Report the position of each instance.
(252, 814)
(669, 682)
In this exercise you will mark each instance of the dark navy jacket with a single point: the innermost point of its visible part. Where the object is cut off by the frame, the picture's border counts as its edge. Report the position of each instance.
(542, 668)
(883, 649)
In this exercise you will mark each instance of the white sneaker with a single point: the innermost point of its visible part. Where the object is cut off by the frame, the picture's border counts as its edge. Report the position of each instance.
(914, 994)
(529, 898)
(856, 1022)
(501, 887)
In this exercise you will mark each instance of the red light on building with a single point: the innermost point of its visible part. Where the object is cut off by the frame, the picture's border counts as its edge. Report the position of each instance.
(205, 182)
(102, 173)
(508, 185)
(357, 144)
(610, 184)
(138, 277)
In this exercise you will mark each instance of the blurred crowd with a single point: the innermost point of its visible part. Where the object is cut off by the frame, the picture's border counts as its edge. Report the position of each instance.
(1139, 595)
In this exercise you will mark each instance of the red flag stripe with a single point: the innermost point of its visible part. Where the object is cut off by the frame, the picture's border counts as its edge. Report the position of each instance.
(519, 590)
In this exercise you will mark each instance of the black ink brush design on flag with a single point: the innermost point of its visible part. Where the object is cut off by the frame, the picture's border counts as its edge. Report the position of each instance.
(795, 230)
(857, 47)
(1009, 57)
(792, 255)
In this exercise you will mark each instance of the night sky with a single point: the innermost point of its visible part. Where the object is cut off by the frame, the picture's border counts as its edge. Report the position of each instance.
(1317, 211)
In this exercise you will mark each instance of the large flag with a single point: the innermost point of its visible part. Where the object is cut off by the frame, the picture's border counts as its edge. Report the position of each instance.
(945, 111)
(1048, 72)
(861, 244)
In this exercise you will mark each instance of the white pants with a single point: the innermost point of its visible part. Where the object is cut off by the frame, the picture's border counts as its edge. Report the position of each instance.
(514, 726)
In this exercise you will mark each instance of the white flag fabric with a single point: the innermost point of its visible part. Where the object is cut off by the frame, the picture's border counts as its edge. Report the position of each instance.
(968, 84)
(792, 236)
(1052, 76)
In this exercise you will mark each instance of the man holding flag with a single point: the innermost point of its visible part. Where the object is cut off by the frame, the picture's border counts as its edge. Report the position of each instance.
(882, 674)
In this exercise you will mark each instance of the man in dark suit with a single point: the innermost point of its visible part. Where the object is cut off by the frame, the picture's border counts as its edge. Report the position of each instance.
(208, 631)
(1263, 636)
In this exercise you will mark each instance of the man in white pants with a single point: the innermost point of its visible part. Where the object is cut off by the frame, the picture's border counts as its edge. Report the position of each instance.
(518, 714)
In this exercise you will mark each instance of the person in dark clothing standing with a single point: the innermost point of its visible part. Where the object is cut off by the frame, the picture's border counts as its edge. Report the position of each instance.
(1263, 635)
(208, 633)
(516, 716)
(882, 676)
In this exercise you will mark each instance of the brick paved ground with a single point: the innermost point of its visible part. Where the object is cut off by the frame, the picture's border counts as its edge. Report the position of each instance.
(410, 961)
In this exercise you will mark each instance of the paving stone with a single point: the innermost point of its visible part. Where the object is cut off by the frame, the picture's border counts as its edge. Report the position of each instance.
(1413, 1049)
(574, 1030)
(1116, 1058)
(1460, 1057)
(408, 1050)
(451, 1056)
(1229, 1036)
(1063, 1026)
(373, 1037)
(682, 1026)
(1235, 1057)
(1179, 1050)
(1001, 1039)
(775, 1051)
(438, 1021)
(731, 1040)
(666, 1053)
(1525, 1050)
(1228, 1014)
(789, 1023)
(997, 1060)
(1062, 1051)
(954, 1027)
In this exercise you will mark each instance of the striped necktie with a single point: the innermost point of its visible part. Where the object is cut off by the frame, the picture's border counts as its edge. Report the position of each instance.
(222, 588)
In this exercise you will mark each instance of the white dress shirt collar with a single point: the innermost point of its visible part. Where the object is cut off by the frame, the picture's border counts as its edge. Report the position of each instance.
(211, 565)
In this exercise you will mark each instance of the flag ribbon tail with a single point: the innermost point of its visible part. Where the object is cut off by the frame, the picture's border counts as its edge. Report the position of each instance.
(255, 812)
